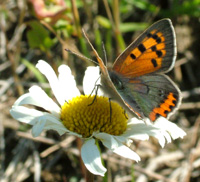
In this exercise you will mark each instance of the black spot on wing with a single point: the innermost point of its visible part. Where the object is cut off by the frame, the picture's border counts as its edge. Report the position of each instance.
(156, 38)
(149, 35)
(153, 48)
(141, 48)
(154, 62)
(133, 56)
(166, 111)
(157, 115)
(174, 102)
(159, 53)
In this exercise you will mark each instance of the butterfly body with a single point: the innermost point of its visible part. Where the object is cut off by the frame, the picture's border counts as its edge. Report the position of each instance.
(112, 84)
(137, 80)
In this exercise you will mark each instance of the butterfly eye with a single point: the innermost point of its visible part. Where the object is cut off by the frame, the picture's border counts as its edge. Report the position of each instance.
(116, 81)
(119, 84)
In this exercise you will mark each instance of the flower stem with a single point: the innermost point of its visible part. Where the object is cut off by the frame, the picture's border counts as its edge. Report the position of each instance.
(89, 176)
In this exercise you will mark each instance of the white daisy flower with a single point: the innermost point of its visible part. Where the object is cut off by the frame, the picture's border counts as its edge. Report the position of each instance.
(87, 117)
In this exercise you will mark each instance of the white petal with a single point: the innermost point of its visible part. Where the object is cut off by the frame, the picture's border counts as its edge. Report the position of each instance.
(38, 127)
(139, 130)
(25, 115)
(91, 158)
(43, 100)
(108, 140)
(137, 136)
(126, 152)
(48, 122)
(142, 131)
(170, 127)
(122, 139)
(67, 83)
(160, 137)
(135, 120)
(91, 78)
(167, 136)
(39, 120)
(55, 124)
(25, 99)
(47, 70)
(116, 146)
(60, 129)
(39, 98)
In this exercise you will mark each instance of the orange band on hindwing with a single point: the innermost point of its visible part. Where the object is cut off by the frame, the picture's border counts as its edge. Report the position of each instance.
(167, 106)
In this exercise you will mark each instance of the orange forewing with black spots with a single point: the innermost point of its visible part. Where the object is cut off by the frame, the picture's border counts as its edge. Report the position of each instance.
(153, 51)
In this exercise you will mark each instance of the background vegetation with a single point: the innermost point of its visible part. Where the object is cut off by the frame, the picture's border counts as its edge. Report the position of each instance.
(33, 30)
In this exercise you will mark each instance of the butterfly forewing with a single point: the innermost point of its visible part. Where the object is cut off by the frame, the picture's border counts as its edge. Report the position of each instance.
(153, 52)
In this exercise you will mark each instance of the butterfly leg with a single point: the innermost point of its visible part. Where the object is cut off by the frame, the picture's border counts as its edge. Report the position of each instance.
(109, 99)
(95, 96)
(125, 114)
(95, 85)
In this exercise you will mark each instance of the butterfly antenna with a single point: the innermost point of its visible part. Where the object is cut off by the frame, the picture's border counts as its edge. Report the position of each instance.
(81, 56)
(104, 52)
(101, 63)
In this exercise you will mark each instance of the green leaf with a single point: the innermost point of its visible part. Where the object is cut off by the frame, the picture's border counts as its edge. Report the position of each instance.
(104, 22)
(98, 42)
(141, 4)
(38, 36)
(130, 27)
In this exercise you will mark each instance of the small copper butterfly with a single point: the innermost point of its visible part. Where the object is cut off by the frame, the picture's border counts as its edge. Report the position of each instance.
(137, 80)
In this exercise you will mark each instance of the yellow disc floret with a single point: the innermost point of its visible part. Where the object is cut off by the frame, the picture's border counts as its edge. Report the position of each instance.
(87, 114)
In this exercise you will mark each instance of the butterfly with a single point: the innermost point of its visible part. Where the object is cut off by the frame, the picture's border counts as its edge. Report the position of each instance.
(137, 80)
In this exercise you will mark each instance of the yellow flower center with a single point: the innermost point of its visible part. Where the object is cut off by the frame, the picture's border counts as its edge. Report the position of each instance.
(86, 114)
